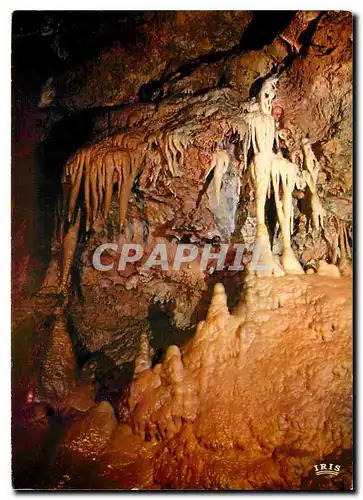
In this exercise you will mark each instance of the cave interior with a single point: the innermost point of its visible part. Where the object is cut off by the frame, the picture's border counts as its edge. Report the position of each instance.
(208, 129)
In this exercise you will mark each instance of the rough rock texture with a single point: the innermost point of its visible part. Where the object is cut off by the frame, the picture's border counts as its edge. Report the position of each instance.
(243, 69)
(325, 70)
(165, 42)
(210, 419)
(58, 369)
(89, 436)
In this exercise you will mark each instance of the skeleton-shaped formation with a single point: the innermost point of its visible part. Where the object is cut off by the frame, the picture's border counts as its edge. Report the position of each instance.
(269, 167)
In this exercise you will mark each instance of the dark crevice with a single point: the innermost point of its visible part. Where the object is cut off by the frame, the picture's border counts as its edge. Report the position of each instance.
(163, 330)
(307, 35)
(264, 28)
(305, 40)
(65, 138)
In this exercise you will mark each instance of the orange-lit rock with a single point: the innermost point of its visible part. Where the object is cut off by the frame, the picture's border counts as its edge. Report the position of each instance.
(146, 128)
(224, 423)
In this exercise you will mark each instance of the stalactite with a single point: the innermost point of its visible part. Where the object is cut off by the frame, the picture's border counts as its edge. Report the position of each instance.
(220, 162)
(311, 177)
(96, 166)
(172, 144)
(109, 182)
(75, 188)
(345, 250)
(346, 240)
(246, 144)
(100, 166)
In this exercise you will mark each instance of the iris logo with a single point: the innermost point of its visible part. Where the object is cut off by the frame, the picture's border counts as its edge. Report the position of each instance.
(327, 469)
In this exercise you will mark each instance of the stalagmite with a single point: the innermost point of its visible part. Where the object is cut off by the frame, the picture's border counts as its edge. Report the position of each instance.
(267, 166)
(70, 240)
(143, 360)
(173, 370)
(218, 303)
(326, 269)
(58, 370)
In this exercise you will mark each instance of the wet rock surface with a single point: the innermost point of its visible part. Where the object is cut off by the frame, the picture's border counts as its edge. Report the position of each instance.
(222, 423)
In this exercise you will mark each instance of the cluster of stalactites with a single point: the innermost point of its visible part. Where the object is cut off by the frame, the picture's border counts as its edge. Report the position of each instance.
(95, 169)
(98, 172)
(172, 147)
(98, 168)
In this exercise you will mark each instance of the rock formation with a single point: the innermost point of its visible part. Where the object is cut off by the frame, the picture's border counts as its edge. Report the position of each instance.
(253, 401)
(149, 351)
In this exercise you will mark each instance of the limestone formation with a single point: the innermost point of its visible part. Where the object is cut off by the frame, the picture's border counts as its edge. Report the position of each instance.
(179, 411)
(268, 166)
(58, 367)
(118, 158)
(88, 437)
(182, 244)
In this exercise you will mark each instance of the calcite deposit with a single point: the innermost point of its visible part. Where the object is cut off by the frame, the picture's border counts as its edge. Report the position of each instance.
(182, 264)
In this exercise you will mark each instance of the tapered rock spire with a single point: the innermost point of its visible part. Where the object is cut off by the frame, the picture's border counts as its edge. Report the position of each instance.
(219, 302)
(143, 360)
